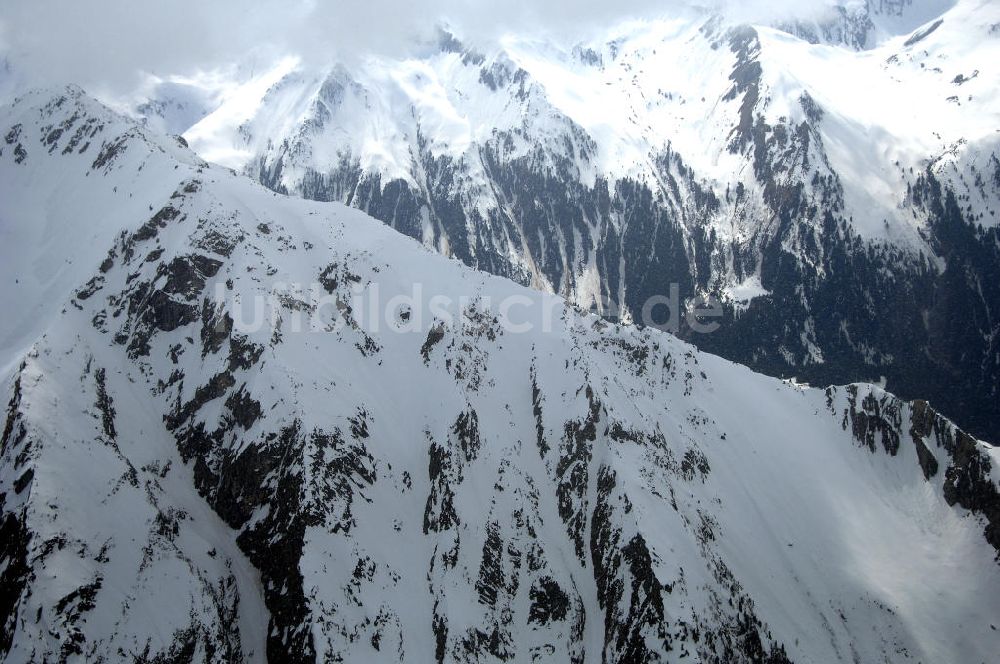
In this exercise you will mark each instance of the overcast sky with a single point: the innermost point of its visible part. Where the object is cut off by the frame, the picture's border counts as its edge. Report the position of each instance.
(110, 44)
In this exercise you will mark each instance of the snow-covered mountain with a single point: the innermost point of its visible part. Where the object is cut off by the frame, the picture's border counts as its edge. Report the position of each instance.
(182, 480)
(841, 197)
(862, 24)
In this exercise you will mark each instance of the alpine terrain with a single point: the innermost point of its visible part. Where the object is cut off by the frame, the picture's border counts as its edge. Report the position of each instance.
(832, 179)
(183, 479)
(351, 364)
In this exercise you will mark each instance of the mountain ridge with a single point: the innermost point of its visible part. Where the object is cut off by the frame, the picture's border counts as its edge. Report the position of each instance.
(847, 235)
(589, 491)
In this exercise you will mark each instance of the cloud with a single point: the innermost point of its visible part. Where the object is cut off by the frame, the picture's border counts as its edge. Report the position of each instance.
(110, 46)
(110, 43)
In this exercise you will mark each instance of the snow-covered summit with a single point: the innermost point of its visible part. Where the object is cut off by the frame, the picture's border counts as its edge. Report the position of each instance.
(49, 244)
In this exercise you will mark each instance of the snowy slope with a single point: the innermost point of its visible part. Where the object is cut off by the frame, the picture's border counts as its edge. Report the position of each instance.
(435, 484)
(48, 246)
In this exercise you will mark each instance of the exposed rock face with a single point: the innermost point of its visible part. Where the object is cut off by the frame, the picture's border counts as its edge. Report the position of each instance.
(968, 470)
(182, 482)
